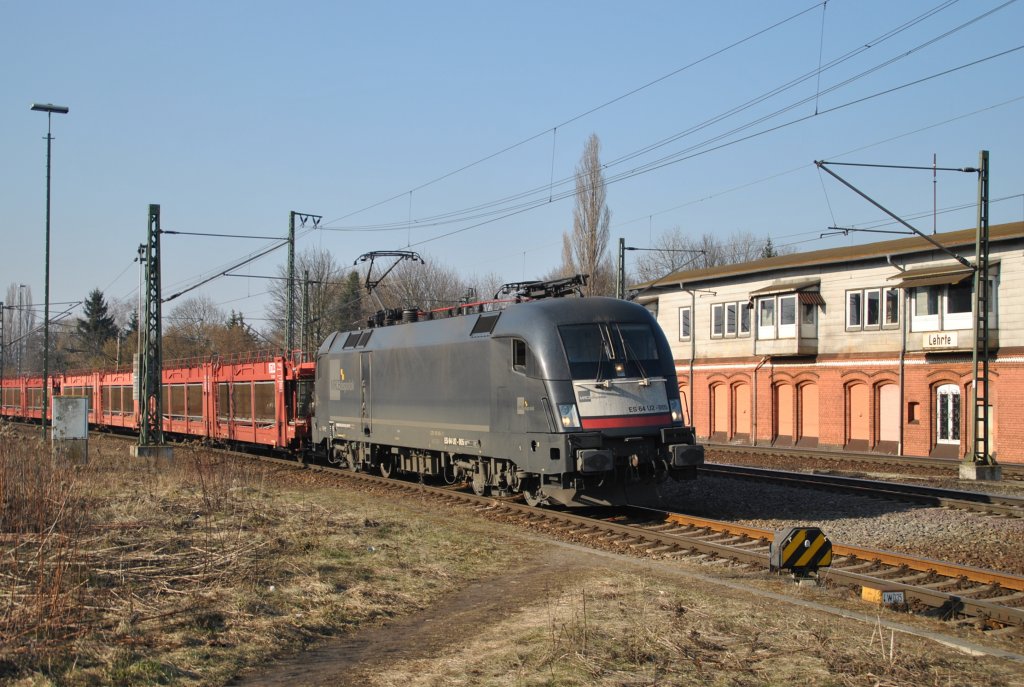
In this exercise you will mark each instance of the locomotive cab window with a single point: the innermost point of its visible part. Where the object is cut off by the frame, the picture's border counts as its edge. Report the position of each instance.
(607, 351)
(519, 355)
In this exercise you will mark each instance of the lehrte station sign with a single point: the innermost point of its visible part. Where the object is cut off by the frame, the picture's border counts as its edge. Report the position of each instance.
(940, 340)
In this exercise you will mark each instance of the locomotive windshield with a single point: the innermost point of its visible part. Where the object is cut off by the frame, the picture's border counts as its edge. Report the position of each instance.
(608, 351)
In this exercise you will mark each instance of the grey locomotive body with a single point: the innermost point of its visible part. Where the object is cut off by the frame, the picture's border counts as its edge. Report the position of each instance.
(569, 401)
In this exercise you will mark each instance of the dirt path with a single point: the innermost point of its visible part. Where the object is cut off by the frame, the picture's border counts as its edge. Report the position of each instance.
(349, 660)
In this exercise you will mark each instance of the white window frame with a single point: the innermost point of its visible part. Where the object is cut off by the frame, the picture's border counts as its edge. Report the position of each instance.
(948, 398)
(766, 331)
(808, 330)
(957, 320)
(688, 333)
(865, 299)
(735, 329)
(927, 322)
(718, 308)
(786, 330)
(859, 324)
(886, 322)
(731, 327)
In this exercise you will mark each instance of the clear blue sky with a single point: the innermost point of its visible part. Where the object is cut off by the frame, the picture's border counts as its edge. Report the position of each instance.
(231, 114)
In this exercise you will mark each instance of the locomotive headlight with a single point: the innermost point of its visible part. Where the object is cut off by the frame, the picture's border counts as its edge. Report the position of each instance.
(570, 416)
(677, 410)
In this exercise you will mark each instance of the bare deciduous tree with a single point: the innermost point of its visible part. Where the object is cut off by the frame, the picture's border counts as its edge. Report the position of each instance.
(330, 299)
(585, 250)
(189, 328)
(19, 325)
(672, 252)
(427, 286)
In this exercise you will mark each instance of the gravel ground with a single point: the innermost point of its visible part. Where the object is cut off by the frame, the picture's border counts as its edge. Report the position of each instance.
(949, 535)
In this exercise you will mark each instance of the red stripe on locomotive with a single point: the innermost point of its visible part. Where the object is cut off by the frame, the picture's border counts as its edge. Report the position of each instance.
(614, 422)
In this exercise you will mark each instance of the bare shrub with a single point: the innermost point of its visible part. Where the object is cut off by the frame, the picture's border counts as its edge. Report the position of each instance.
(42, 519)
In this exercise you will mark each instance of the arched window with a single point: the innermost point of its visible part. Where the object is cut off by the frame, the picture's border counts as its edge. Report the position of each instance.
(947, 414)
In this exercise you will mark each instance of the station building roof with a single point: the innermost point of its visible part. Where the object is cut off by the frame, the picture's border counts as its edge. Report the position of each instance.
(829, 256)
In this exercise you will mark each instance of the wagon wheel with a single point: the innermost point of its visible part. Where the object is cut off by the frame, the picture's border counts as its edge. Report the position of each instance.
(386, 467)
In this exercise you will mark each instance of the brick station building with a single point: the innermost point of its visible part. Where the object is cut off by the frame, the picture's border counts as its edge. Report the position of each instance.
(864, 348)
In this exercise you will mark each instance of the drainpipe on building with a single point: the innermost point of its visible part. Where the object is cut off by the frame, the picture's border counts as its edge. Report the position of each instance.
(693, 349)
(753, 414)
(903, 356)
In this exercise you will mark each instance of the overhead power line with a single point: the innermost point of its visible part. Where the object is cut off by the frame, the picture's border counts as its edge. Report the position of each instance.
(591, 111)
(509, 203)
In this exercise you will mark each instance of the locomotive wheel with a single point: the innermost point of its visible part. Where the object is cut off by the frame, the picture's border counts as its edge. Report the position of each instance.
(479, 483)
(386, 467)
(533, 495)
(353, 466)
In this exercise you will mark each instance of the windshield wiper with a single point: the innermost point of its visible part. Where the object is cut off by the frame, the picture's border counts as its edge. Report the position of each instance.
(626, 351)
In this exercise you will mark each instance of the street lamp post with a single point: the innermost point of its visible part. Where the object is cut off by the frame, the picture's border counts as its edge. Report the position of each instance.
(50, 110)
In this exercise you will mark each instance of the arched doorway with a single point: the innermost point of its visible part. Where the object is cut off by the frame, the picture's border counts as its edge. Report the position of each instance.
(888, 419)
(947, 421)
(741, 412)
(808, 415)
(783, 414)
(858, 406)
(720, 412)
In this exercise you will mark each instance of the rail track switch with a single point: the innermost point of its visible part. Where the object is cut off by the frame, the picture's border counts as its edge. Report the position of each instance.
(801, 550)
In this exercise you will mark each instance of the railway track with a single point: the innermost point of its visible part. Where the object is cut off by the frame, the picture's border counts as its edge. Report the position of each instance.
(990, 600)
(995, 504)
(868, 461)
(987, 599)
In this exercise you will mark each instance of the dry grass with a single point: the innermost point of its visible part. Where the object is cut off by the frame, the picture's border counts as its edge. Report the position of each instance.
(611, 629)
(116, 572)
(119, 573)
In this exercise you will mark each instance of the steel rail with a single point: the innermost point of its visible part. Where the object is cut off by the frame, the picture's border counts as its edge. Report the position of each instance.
(1010, 470)
(664, 536)
(668, 533)
(933, 496)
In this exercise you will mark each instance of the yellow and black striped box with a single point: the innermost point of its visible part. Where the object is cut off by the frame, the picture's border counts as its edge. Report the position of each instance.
(801, 549)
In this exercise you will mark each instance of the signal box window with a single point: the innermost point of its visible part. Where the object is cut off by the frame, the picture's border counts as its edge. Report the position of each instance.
(892, 307)
(684, 323)
(787, 316)
(854, 309)
(872, 309)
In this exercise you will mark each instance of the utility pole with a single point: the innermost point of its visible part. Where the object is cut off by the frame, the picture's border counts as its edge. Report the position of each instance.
(620, 271)
(290, 310)
(304, 335)
(151, 431)
(980, 460)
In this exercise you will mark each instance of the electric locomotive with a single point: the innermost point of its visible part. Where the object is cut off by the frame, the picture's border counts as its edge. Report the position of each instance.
(570, 401)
